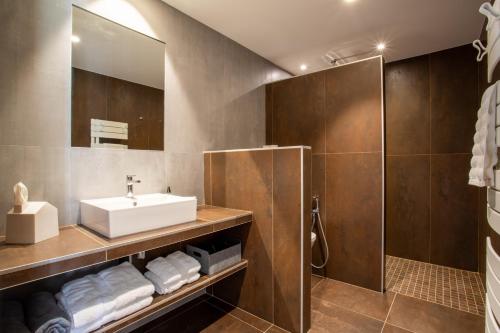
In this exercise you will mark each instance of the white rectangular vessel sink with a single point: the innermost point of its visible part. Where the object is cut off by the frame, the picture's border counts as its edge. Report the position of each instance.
(118, 216)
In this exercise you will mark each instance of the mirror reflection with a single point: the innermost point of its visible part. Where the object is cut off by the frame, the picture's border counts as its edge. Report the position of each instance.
(117, 85)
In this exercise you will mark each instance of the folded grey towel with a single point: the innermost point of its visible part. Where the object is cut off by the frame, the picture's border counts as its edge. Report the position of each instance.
(12, 318)
(45, 316)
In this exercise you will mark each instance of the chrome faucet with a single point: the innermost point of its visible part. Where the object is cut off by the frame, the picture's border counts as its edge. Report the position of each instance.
(130, 186)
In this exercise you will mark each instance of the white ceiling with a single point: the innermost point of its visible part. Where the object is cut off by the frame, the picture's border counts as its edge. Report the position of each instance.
(292, 32)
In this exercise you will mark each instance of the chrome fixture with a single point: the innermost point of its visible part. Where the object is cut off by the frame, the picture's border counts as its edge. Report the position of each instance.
(130, 187)
(331, 60)
(316, 219)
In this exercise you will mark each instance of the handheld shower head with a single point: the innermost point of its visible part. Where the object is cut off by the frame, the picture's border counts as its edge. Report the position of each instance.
(315, 204)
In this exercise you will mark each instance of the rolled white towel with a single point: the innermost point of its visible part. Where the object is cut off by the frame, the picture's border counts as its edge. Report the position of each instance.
(85, 300)
(161, 287)
(126, 284)
(184, 263)
(164, 269)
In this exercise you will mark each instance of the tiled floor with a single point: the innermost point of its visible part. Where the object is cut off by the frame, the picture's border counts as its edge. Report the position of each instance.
(209, 315)
(458, 289)
(411, 305)
(340, 307)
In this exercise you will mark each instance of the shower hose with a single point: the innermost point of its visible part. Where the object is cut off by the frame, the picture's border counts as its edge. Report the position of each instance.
(316, 219)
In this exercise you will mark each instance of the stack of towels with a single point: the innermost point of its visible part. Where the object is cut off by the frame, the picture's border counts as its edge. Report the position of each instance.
(12, 317)
(172, 272)
(39, 315)
(44, 316)
(484, 152)
(97, 299)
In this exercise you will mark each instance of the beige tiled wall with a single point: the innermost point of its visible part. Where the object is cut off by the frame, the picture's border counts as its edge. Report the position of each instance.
(214, 100)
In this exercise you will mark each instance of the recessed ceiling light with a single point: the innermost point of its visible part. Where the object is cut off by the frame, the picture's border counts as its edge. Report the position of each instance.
(75, 39)
(349, 1)
(381, 46)
(303, 67)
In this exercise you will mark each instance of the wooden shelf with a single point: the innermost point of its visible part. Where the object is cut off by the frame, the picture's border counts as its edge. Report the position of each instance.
(162, 301)
(77, 247)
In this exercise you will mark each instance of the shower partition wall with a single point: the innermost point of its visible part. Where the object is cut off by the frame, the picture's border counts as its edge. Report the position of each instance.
(275, 184)
(339, 112)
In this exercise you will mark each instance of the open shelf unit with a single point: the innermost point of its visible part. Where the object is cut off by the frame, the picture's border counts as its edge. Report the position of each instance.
(162, 301)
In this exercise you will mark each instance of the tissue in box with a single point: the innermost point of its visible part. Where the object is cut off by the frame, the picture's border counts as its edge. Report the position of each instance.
(37, 222)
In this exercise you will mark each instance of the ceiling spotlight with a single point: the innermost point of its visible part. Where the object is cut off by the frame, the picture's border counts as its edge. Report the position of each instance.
(75, 39)
(381, 46)
(349, 1)
(303, 67)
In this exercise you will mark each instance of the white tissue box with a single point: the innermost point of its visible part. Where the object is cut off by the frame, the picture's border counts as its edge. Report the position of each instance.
(37, 222)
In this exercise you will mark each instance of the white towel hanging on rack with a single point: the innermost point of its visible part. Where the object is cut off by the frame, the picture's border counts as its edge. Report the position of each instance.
(484, 151)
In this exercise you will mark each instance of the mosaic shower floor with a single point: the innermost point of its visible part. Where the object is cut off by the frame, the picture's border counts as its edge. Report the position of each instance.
(454, 288)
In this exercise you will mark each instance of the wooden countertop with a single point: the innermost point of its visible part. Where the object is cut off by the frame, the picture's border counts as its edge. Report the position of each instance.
(77, 246)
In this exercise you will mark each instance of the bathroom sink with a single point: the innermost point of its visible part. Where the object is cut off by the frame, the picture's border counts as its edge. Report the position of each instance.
(120, 216)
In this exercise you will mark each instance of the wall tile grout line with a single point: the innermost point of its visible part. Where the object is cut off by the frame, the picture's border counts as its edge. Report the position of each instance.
(348, 309)
(210, 180)
(237, 318)
(272, 234)
(429, 209)
(243, 310)
(317, 284)
(389, 312)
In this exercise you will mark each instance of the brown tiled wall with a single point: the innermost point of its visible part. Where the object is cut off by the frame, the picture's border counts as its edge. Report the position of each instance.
(267, 182)
(431, 105)
(338, 112)
(103, 97)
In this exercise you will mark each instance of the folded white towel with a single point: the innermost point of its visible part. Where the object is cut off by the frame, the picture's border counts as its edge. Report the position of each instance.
(85, 300)
(484, 151)
(193, 278)
(115, 315)
(161, 287)
(93, 299)
(164, 270)
(126, 284)
(186, 265)
(90, 326)
(131, 308)
(95, 324)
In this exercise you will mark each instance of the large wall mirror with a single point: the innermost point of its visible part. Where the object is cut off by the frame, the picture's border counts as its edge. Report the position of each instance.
(117, 85)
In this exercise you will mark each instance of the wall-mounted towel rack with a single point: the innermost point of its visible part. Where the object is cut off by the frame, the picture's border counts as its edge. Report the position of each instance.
(493, 287)
(105, 129)
(485, 152)
(492, 13)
